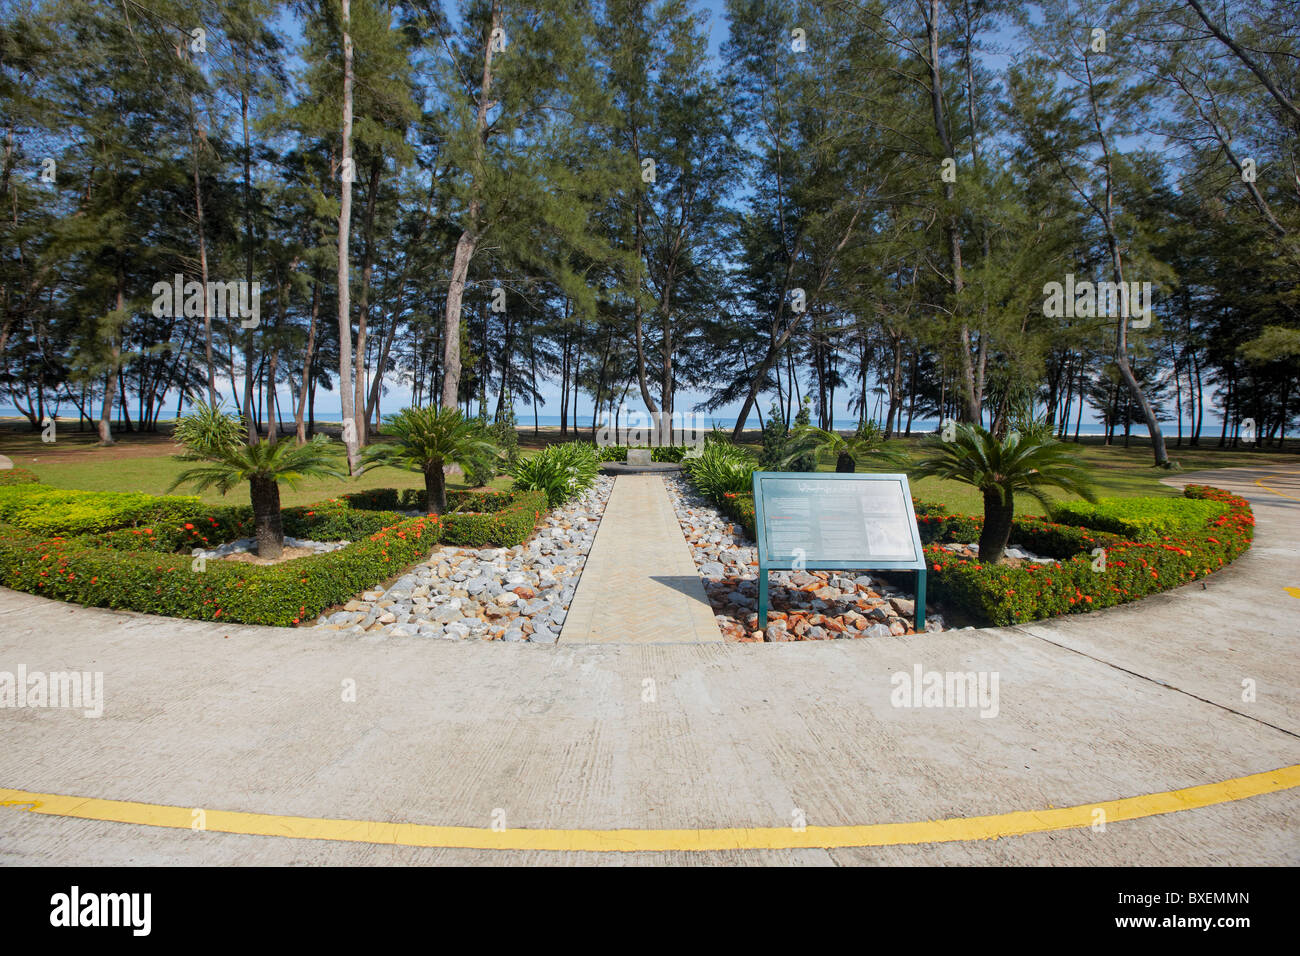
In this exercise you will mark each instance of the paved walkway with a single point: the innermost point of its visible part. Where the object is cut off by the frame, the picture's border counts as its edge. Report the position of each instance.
(1138, 710)
(640, 584)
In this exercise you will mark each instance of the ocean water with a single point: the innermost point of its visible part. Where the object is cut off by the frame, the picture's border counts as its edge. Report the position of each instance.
(525, 420)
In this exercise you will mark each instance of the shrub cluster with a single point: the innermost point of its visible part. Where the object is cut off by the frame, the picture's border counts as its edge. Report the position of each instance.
(664, 453)
(180, 586)
(57, 511)
(722, 470)
(1001, 595)
(136, 551)
(507, 519)
(562, 471)
(1081, 580)
(1141, 519)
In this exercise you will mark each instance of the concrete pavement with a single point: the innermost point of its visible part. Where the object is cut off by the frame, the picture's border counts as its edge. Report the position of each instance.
(1117, 704)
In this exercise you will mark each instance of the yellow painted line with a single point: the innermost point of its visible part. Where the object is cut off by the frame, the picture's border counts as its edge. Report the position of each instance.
(957, 829)
(1294, 592)
(1281, 494)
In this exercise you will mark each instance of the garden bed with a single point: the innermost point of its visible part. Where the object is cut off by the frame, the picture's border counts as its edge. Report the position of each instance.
(520, 593)
(149, 553)
(1171, 541)
(804, 605)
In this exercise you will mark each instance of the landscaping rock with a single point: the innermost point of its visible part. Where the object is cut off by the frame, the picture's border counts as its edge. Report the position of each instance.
(511, 594)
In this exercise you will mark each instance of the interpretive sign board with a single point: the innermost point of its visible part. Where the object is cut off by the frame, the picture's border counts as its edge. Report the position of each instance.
(836, 521)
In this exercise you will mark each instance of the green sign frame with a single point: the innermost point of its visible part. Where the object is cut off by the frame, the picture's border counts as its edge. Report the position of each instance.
(768, 561)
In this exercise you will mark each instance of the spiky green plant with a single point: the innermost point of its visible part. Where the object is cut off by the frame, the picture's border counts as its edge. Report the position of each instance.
(810, 443)
(1000, 468)
(721, 469)
(263, 466)
(562, 471)
(209, 427)
(426, 440)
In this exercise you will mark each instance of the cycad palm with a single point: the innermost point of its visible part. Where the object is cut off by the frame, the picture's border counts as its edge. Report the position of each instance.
(809, 440)
(263, 466)
(426, 439)
(1000, 468)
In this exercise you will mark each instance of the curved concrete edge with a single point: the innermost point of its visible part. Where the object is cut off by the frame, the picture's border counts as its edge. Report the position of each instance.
(1137, 700)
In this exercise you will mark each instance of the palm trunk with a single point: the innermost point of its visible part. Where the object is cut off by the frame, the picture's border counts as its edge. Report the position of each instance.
(997, 526)
(435, 489)
(265, 495)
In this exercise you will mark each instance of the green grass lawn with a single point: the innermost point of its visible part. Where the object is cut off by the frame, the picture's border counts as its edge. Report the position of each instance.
(1117, 472)
(145, 463)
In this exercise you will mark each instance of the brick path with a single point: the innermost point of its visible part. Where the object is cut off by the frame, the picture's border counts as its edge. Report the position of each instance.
(640, 584)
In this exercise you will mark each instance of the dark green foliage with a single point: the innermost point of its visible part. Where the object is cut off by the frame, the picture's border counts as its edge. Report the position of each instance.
(510, 523)
(1000, 595)
(505, 436)
(663, 453)
(562, 471)
(722, 470)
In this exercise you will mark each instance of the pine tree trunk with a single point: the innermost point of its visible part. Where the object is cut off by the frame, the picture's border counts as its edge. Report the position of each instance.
(469, 238)
(307, 359)
(997, 527)
(345, 225)
(265, 495)
(114, 370)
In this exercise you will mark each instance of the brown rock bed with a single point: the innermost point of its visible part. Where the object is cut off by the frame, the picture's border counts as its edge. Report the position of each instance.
(808, 605)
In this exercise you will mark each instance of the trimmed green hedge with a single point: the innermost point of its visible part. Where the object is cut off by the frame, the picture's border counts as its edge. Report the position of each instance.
(57, 511)
(1001, 595)
(1047, 538)
(663, 453)
(136, 551)
(1080, 580)
(181, 586)
(1140, 519)
(510, 522)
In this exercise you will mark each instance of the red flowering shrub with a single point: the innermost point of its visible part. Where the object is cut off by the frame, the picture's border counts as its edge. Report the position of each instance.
(1002, 595)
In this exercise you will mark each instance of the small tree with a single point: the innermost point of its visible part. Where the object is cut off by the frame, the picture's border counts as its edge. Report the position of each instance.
(807, 442)
(263, 466)
(427, 439)
(999, 468)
